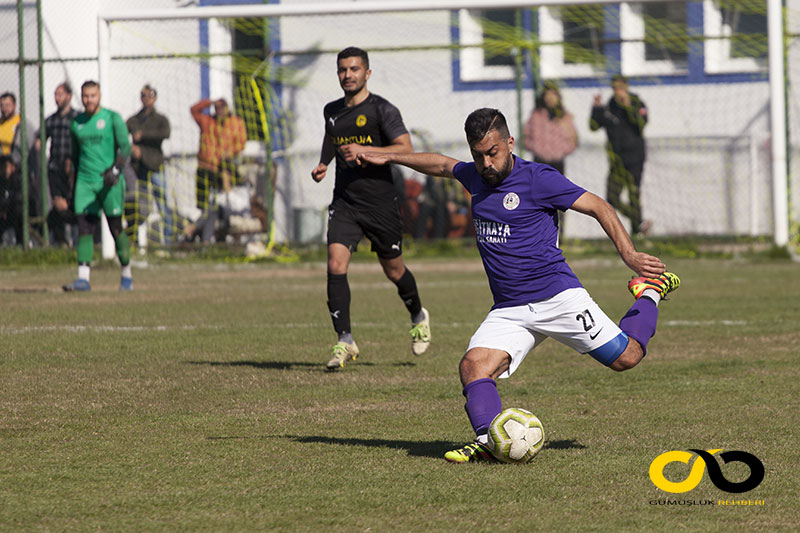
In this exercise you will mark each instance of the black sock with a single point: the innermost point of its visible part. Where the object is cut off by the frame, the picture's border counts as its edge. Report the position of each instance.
(339, 302)
(407, 289)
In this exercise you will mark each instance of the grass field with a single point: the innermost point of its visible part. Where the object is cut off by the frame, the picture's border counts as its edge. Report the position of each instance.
(198, 402)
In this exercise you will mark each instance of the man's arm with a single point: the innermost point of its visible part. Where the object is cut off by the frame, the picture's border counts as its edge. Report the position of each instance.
(423, 162)
(198, 108)
(399, 145)
(597, 208)
(597, 120)
(239, 135)
(121, 135)
(326, 155)
(637, 115)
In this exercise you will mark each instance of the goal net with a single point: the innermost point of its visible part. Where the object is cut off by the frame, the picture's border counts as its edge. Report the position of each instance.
(700, 68)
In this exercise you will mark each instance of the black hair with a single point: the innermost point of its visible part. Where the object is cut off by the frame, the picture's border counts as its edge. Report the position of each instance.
(482, 121)
(352, 51)
(89, 83)
(67, 86)
(9, 95)
(619, 78)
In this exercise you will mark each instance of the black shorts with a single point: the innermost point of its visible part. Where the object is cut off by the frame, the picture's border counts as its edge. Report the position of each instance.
(383, 226)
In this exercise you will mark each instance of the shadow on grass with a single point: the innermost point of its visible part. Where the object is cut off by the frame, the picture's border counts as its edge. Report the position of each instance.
(289, 365)
(435, 449)
(265, 365)
(564, 444)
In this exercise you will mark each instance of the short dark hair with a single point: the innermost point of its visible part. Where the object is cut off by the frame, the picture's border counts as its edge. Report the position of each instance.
(352, 51)
(89, 83)
(8, 95)
(482, 121)
(67, 86)
(150, 88)
(619, 78)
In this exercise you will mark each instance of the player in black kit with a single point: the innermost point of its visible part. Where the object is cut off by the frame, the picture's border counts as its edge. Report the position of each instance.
(364, 200)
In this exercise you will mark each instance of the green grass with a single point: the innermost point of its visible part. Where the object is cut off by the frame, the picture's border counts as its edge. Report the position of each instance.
(198, 402)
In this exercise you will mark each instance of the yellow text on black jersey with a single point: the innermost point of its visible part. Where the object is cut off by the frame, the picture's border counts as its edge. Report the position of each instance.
(357, 139)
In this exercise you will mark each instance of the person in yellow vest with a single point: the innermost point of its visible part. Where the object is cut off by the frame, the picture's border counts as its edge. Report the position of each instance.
(8, 122)
(10, 197)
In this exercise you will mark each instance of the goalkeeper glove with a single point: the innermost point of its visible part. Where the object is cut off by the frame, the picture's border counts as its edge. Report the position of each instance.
(111, 176)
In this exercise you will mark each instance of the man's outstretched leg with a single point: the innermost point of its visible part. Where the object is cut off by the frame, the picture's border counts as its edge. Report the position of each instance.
(639, 323)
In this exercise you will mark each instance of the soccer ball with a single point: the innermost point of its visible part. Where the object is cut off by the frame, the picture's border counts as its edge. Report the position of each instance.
(515, 436)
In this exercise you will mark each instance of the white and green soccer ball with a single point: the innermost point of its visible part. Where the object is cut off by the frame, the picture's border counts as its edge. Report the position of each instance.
(515, 436)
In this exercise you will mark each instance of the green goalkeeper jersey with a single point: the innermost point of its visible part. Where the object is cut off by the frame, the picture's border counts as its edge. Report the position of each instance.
(95, 141)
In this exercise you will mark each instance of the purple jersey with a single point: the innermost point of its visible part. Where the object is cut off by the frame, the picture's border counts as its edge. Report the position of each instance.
(516, 227)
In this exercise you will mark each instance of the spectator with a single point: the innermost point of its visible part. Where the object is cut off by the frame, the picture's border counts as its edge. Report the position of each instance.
(458, 210)
(59, 173)
(148, 130)
(8, 122)
(432, 202)
(550, 131)
(433, 207)
(10, 174)
(222, 138)
(624, 119)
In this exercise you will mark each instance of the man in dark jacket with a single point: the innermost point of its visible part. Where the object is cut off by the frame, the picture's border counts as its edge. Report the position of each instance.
(148, 130)
(623, 118)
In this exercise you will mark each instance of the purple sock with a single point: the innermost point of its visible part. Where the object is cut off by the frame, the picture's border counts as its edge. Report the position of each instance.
(483, 404)
(640, 321)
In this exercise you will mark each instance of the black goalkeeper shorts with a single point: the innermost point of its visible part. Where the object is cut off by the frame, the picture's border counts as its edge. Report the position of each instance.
(383, 226)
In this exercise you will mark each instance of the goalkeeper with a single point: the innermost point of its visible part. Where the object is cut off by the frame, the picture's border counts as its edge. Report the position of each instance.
(100, 148)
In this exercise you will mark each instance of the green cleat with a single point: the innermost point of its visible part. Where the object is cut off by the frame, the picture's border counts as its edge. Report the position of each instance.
(472, 452)
(663, 285)
(421, 334)
(342, 352)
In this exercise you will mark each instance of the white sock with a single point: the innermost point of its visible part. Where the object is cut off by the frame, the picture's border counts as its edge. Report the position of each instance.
(126, 271)
(84, 272)
(483, 439)
(652, 294)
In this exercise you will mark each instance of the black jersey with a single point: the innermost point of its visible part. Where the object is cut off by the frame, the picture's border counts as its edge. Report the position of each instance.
(373, 122)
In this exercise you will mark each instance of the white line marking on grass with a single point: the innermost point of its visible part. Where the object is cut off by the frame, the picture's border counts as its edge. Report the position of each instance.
(83, 329)
(696, 323)
(302, 325)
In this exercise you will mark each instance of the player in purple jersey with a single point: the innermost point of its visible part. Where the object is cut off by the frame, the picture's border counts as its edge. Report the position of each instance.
(364, 200)
(515, 206)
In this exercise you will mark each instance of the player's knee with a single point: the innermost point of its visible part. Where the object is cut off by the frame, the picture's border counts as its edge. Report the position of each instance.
(629, 358)
(467, 368)
(479, 363)
(115, 226)
(87, 224)
(335, 266)
(394, 271)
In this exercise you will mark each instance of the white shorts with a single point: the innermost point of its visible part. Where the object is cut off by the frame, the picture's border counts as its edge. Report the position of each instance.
(571, 317)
